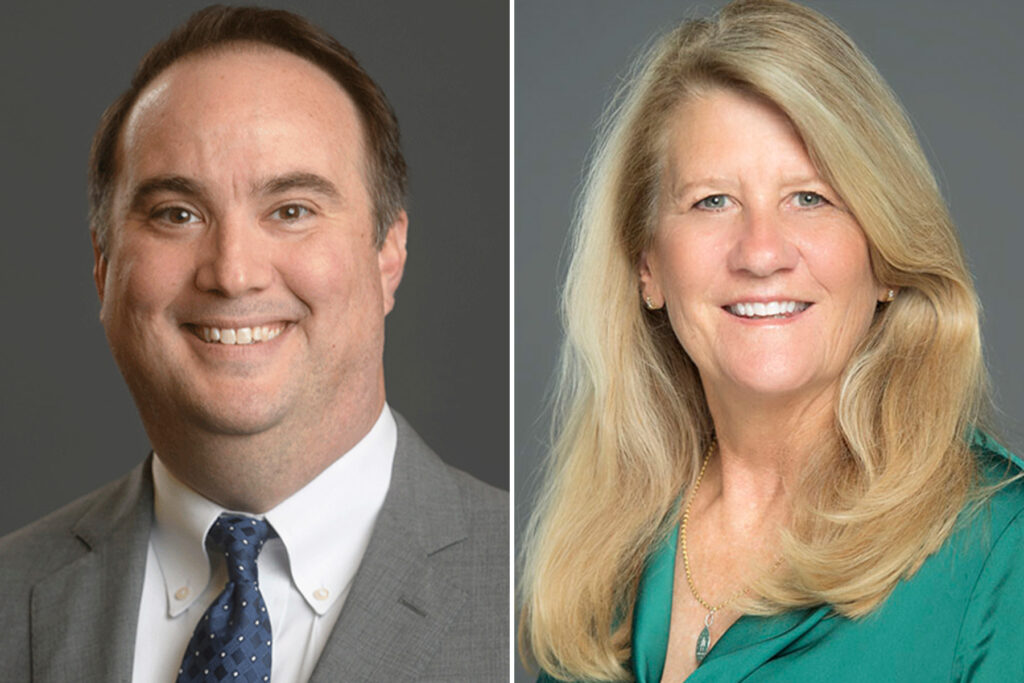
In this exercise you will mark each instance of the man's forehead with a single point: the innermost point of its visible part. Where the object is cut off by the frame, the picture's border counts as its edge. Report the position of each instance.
(242, 83)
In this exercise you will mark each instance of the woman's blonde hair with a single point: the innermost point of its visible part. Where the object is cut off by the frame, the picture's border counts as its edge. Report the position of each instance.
(631, 420)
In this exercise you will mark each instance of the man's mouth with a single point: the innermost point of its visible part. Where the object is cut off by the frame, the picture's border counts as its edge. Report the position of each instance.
(237, 335)
(767, 309)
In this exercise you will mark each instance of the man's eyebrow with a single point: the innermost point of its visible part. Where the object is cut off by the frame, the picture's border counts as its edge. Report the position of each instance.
(299, 180)
(171, 183)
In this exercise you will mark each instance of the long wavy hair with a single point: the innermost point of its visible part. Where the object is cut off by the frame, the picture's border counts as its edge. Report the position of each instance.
(631, 420)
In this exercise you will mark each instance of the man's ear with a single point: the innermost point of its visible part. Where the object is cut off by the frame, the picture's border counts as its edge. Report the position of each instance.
(99, 266)
(391, 259)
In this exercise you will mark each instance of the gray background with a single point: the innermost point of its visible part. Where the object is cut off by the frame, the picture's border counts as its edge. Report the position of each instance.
(67, 423)
(956, 66)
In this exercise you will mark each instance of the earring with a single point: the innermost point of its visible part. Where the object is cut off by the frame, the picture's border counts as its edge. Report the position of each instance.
(891, 295)
(650, 304)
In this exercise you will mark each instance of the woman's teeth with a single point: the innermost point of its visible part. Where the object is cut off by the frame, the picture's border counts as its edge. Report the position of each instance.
(770, 309)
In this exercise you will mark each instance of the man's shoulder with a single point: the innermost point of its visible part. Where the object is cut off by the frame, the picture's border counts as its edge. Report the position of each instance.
(64, 534)
(46, 537)
(462, 526)
(70, 582)
(446, 501)
(431, 594)
(485, 515)
(479, 498)
(423, 469)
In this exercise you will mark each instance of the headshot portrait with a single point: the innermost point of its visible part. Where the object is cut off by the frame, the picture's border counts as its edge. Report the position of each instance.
(769, 423)
(225, 212)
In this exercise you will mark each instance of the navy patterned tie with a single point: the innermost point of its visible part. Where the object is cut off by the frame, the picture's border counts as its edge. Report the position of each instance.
(232, 640)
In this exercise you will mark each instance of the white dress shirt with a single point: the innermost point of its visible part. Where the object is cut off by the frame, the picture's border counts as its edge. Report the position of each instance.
(304, 573)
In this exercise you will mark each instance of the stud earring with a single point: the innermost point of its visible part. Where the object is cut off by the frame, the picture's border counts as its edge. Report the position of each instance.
(890, 295)
(650, 304)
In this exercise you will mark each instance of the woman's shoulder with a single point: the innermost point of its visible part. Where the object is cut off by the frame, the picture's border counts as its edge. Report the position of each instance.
(989, 449)
(990, 644)
(997, 508)
(1001, 484)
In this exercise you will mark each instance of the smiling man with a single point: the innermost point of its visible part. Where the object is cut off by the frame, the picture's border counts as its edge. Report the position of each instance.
(249, 236)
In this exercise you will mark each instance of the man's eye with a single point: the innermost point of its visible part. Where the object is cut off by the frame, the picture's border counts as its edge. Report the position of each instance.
(809, 199)
(176, 215)
(291, 212)
(713, 203)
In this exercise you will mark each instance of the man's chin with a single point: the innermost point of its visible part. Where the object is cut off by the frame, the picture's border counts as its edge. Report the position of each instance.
(237, 423)
(248, 416)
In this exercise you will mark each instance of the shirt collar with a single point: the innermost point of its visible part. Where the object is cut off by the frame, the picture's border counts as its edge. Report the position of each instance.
(325, 526)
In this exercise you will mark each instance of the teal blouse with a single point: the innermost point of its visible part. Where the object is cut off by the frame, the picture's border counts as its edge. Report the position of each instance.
(960, 617)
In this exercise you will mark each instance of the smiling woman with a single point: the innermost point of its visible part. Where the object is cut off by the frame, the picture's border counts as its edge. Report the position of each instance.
(746, 227)
(772, 396)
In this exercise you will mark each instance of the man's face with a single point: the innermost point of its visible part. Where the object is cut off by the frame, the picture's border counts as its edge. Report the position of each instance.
(241, 289)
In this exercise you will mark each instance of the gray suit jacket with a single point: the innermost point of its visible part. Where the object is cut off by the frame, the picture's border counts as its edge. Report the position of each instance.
(429, 602)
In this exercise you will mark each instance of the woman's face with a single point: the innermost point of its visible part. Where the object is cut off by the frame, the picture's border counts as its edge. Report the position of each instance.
(764, 272)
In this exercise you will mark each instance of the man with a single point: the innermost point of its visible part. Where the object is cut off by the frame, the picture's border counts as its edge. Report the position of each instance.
(249, 236)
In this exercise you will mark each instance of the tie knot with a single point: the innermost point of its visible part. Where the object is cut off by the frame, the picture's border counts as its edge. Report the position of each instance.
(242, 539)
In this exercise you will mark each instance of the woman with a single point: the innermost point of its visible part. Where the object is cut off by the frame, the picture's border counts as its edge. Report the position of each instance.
(769, 465)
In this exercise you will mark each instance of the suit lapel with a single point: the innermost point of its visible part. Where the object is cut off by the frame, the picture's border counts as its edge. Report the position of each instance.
(84, 616)
(401, 602)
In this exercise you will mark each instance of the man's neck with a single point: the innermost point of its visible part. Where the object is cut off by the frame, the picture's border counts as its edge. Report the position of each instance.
(254, 473)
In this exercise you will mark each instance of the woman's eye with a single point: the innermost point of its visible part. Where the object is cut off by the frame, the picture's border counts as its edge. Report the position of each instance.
(809, 199)
(291, 212)
(176, 215)
(713, 203)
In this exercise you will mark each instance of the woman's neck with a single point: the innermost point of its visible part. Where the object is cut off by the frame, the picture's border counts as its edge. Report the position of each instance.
(762, 446)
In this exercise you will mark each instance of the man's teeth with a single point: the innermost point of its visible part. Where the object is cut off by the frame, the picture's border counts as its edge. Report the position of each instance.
(241, 336)
(768, 309)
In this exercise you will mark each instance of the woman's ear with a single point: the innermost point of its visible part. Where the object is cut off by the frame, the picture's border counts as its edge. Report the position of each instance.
(650, 290)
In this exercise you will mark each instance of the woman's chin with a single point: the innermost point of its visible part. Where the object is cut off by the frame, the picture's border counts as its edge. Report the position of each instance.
(782, 386)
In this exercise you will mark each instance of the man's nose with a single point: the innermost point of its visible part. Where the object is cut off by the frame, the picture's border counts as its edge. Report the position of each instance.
(235, 258)
(763, 246)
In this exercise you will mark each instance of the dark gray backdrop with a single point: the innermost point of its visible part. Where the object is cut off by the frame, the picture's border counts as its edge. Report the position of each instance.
(956, 66)
(67, 423)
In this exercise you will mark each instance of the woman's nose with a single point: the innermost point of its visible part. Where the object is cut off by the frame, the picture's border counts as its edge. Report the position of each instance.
(763, 246)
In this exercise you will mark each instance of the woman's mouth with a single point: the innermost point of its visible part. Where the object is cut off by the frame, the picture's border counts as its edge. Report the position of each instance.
(767, 309)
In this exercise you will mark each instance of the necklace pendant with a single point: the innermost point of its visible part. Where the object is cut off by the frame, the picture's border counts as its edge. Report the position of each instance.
(703, 641)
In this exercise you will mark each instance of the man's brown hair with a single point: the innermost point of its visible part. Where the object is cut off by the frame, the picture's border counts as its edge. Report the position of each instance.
(216, 27)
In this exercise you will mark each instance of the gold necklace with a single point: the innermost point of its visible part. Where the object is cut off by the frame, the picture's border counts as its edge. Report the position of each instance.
(704, 639)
